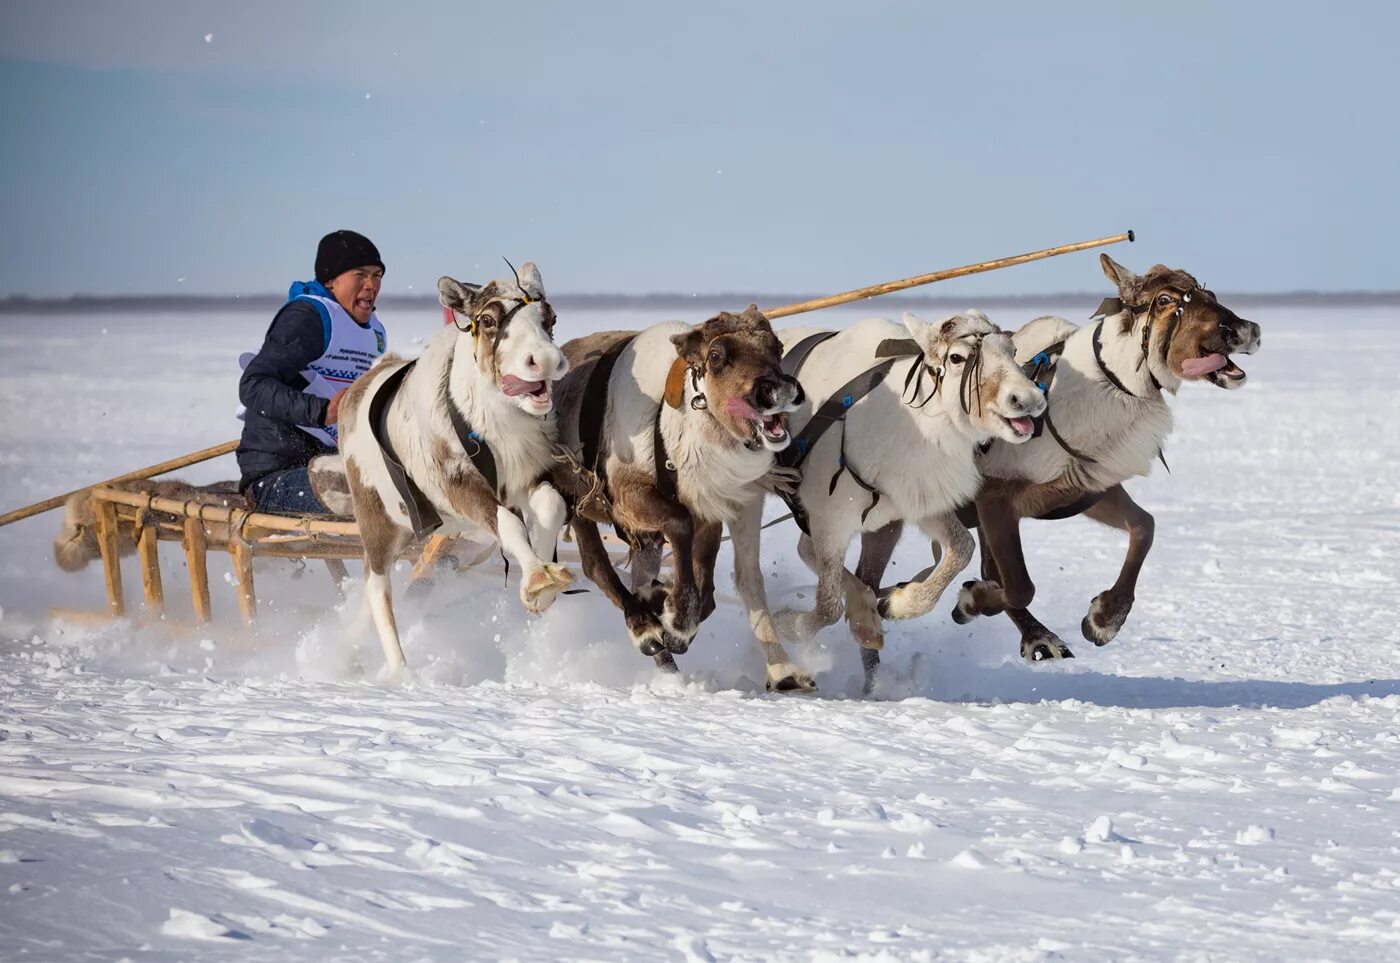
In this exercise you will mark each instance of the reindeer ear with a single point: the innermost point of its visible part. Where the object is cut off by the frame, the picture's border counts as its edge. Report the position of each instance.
(920, 330)
(530, 280)
(455, 294)
(1127, 283)
(689, 346)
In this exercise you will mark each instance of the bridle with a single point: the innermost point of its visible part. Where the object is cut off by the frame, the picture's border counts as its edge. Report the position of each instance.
(968, 388)
(1112, 306)
(479, 317)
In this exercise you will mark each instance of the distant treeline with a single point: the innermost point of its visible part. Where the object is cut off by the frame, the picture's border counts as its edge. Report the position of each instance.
(20, 304)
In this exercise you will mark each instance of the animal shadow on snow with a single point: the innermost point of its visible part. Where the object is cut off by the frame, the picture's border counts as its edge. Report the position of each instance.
(950, 680)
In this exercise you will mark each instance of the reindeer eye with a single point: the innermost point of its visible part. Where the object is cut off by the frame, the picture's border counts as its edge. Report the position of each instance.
(956, 359)
(1164, 299)
(715, 357)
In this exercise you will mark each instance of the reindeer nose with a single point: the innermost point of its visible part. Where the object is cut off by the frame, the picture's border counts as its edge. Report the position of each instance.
(1018, 400)
(765, 392)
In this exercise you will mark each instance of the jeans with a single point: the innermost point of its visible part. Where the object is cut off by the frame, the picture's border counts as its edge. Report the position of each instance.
(286, 492)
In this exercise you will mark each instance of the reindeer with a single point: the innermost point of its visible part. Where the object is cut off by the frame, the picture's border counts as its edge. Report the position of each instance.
(1107, 421)
(462, 436)
(674, 429)
(901, 446)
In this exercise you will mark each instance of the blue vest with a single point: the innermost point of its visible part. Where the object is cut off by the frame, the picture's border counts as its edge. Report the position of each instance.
(351, 349)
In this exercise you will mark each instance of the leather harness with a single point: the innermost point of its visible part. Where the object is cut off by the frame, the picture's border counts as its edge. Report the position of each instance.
(422, 516)
(593, 409)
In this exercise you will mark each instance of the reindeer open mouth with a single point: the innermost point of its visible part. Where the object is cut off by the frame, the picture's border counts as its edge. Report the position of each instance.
(769, 428)
(1215, 367)
(536, 392)
(1024, 427)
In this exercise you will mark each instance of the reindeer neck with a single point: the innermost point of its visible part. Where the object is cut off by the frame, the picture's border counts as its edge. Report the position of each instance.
(477, 395)
(1117, 362)
(712, 467)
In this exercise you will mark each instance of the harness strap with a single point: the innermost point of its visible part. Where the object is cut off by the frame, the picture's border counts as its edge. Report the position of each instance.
(472, 443)
(833, 410)
(797, 355)
(592, 409)
(422, 516)
(594, 406)
(666, 481)
(1060, 440)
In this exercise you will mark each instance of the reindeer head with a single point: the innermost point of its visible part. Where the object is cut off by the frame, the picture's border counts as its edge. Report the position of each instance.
(512, 330)
(976, 379)
(1186, 332)
(737, 361)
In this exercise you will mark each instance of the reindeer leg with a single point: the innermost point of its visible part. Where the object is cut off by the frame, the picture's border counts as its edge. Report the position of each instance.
(546, 515)
(646, 586)
(1109, 610)
(999, 522)
(540, 581)
(705, 549)
(383, 540)
(643, 626)
(918, 597)
(639, 507)
(823, 553)
(1038, 643)
(863, 609)
(783, 674)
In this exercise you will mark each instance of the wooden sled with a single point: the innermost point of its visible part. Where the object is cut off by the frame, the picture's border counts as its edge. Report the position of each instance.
(147, 519)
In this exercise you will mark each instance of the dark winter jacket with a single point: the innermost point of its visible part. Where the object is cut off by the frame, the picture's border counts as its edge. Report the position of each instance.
(271, 389)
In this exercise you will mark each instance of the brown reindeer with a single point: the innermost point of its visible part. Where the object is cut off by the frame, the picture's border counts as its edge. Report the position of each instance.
(674, 427)
(1107, 420)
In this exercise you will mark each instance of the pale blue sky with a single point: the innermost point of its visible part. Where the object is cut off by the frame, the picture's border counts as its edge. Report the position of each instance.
(719, 146)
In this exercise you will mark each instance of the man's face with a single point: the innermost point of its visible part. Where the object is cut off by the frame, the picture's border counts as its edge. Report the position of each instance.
(356, 290)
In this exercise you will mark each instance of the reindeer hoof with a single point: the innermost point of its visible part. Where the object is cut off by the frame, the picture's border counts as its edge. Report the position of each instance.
(677, 645)
(666, 663)
(649, 646)
(1106, 617)
(1044, 649)
(796, 682)
(969, 606)
(540, 588)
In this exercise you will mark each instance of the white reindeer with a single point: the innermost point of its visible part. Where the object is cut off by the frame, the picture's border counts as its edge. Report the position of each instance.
(905, 451)
(483, 387)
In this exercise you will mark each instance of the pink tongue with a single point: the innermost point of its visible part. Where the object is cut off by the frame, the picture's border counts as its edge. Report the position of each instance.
(513, 386)
(740, 408)
(1023, 426)
(1195, 367)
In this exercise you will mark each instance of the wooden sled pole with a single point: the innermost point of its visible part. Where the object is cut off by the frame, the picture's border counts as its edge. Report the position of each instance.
(184, 461)
(859, 294)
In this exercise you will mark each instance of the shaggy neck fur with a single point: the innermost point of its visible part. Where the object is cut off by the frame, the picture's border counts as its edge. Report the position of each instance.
(715, 471)
(521, 443)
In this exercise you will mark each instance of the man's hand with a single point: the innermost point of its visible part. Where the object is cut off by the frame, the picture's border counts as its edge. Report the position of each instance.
(333, 409)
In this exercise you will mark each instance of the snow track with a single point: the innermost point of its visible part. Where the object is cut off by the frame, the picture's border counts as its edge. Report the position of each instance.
(1221, 782)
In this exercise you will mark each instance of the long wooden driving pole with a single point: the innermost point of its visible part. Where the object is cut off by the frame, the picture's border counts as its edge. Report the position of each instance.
(184, 461)
(860, 294)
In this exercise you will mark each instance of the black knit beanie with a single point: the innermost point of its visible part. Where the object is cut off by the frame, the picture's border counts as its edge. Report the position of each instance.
(341, 251)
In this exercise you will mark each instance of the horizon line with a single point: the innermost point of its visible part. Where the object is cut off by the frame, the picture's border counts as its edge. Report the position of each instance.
(18, 303)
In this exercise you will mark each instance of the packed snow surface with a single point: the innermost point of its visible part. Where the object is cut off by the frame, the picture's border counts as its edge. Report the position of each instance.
(1220, 782)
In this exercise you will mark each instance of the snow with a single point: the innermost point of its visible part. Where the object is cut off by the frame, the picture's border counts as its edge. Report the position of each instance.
(1220, 782)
